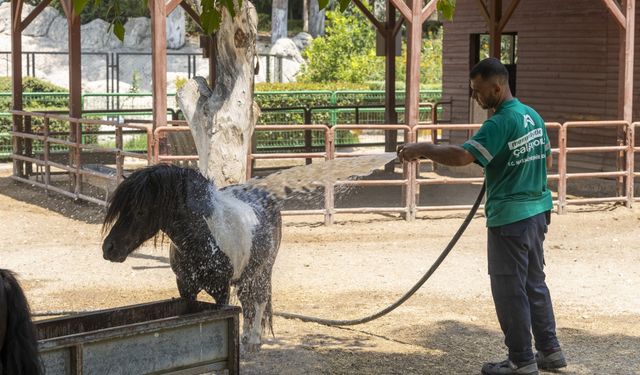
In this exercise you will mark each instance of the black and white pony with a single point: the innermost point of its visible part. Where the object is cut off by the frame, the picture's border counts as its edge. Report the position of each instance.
(18, 341)
(220, 238)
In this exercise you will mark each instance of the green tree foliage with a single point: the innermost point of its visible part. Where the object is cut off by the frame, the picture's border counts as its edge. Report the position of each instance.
(430, 62)
(347, 53)
(211, 14)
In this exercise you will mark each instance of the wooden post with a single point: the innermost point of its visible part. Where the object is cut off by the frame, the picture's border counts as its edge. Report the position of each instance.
(16, 79)
(627, 110)
(495, 33)
(390, 114)
(626, 23)
(158, 12)
(75, 91)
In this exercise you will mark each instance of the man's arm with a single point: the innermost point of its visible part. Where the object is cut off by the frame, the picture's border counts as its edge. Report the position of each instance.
(443, 154)
(549, 160)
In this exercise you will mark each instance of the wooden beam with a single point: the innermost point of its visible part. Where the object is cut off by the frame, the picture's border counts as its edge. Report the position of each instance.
(75, 92)
(402, 7)
(66, 6)
(506, 17)
(75, 65)
(614, 8)
(370, 16)
(484, 11)
(390, 114)
(397, 27)
(34, 13)
(629, 58)
(158, 9)
(16, 84)
(172, 5)
(191, 12)
(414, 48)
(428, 10)
(495, 34)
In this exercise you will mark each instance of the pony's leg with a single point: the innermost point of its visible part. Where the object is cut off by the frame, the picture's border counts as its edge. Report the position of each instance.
(187, 290)
(220, 292)
(255, 298)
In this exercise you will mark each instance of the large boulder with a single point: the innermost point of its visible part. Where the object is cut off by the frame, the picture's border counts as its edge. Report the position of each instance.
(291, 59)
(59, 31)
(137, 33)
(5, 18)
(302, 40)
(40, 25)
(176, 29)
(92, 34)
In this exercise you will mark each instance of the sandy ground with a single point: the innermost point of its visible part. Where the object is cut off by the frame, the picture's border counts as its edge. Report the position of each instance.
(352, 269)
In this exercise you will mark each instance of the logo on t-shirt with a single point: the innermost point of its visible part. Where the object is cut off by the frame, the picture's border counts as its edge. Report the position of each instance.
(522, 146)
(528, 121)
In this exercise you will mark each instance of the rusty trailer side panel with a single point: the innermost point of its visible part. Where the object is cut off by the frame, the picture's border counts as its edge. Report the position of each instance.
(167, 337)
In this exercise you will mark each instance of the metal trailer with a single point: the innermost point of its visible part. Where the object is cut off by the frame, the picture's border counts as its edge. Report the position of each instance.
(166, 337)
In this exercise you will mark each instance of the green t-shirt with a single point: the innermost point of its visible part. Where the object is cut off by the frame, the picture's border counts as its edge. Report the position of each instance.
(512, 147)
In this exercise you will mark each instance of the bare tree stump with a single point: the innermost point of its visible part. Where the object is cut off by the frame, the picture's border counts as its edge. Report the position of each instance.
(222, 119)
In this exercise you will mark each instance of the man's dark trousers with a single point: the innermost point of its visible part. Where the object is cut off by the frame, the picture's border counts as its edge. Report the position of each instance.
(520, 294)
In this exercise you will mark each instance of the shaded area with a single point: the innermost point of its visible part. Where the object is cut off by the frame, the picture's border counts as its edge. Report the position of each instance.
(444, 347)
(78, 210)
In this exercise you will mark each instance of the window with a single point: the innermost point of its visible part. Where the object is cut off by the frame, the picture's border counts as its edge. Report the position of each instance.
(508, 49)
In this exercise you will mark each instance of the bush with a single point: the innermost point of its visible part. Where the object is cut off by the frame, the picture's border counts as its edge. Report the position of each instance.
(430, 63)
(347, 53)
(40, 103)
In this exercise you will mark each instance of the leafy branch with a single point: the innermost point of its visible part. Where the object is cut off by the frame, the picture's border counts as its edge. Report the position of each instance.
(211, 13)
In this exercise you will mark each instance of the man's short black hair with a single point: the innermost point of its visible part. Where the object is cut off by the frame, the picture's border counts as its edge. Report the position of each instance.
(489, 68)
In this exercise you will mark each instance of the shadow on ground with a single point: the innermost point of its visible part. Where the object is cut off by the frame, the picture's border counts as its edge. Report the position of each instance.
(446, 347)
(75, 209)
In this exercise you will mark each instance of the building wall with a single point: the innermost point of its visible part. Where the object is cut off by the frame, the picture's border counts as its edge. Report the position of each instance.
(567, 66)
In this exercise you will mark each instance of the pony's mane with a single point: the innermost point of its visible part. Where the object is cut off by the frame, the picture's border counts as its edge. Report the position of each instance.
(158, 187)
(19, 352)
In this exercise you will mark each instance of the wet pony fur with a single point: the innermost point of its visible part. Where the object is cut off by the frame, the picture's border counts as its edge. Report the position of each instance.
(220, 238)
(18, 340)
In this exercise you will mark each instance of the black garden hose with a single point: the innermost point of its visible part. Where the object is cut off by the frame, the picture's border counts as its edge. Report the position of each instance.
(388, 309)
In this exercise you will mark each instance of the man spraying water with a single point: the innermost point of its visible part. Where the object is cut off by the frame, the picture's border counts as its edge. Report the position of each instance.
(513, 148)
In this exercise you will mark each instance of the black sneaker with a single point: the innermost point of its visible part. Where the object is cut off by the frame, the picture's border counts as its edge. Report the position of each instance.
(507, 368)
(551, 360)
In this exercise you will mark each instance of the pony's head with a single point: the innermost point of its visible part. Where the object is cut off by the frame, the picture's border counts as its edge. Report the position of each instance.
(137, 210)
(146, 202)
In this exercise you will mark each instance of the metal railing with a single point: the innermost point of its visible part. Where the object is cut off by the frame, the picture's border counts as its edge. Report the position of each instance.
(74, 167)
(32, 60)
(410, 182)
(626, 171)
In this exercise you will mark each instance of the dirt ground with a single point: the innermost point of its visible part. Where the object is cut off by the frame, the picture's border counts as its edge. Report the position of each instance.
(352, 269)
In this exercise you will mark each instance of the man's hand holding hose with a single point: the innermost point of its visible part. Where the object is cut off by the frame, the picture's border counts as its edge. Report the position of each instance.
(443, 154)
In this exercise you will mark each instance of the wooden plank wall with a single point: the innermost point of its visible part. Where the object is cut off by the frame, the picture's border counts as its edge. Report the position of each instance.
(567, 66)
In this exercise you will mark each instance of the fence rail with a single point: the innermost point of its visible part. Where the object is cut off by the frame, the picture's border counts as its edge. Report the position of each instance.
(78, 168)
(329, 109)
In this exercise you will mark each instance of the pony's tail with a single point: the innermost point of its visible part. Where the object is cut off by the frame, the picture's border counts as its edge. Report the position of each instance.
(19, 354)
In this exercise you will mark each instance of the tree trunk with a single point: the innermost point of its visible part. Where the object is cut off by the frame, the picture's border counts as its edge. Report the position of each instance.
(305, 16)
(279, 11)
(222, 119)
(316, 19)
